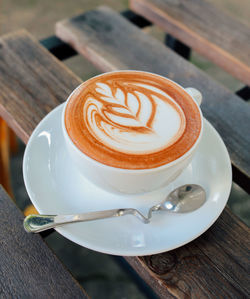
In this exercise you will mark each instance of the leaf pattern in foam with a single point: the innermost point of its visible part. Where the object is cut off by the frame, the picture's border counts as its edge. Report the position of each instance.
(104, 89)
(120, 96)
(133, 103)
(135, 113)
(146, 108)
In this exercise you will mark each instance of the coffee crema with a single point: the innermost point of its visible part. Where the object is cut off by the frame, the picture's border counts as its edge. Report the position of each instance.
(132, 120)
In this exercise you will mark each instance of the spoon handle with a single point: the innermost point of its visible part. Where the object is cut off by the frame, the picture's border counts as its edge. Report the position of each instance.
(39, 223)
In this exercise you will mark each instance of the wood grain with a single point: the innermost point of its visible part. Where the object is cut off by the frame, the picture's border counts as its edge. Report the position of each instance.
(32, 82)
(28, 269)
(216, 265)
(208, 30)
(111, 43)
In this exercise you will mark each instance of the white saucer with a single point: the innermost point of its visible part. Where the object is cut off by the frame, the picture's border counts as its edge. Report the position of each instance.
(56, 187)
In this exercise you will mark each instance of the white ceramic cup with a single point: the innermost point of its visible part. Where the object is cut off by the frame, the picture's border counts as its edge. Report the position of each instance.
(131, 180)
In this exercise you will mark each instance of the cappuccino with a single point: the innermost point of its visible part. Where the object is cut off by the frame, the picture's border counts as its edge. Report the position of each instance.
(132, 120)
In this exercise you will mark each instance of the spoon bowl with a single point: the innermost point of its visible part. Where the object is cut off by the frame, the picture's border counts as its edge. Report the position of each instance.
(184, 199)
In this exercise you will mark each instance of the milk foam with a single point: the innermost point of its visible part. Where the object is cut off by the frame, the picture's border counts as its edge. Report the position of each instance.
(133, 118)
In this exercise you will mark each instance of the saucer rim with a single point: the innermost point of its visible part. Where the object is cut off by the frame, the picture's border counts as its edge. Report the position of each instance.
(144, 251)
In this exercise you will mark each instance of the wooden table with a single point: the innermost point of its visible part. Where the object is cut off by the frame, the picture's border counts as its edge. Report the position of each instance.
(208, 30)
(33, 82)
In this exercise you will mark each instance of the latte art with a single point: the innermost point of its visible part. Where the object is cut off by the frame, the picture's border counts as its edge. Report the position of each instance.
(133, 118)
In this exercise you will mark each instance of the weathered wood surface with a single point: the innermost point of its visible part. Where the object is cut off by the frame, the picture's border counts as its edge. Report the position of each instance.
(211, 254)
(111, 43)
(32, 82)
(208, 30)
(216, 265)
(28, 269)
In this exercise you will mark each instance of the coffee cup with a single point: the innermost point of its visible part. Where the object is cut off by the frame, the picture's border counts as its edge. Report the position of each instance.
(132, 131)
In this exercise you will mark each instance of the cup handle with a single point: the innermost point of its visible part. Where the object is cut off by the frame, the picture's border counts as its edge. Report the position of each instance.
(195, 94)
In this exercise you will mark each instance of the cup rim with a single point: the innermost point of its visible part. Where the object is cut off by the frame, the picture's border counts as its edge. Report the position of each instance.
(127, 170)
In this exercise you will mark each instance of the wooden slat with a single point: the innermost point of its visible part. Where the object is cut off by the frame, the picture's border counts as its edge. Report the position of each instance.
(32, 82)
(112, 43)
(202, 26)
(196, 259)
(28, 268)
(216, 265)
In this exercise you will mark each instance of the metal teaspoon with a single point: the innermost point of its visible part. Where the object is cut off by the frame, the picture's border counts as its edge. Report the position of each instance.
(186, 198)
